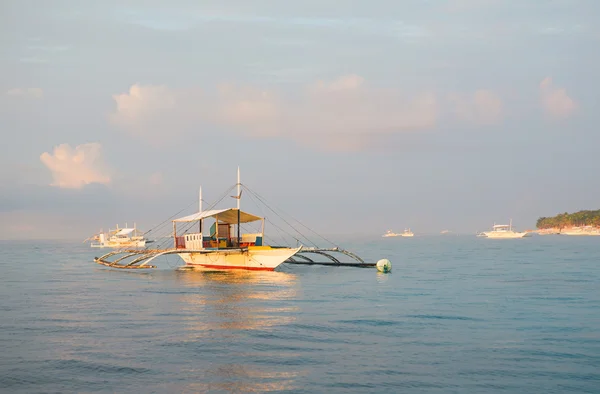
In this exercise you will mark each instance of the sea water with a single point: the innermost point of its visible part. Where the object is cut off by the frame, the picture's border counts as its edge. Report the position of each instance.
(458, 314)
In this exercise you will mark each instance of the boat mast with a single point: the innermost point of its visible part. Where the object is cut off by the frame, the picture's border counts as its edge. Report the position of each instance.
(200, 208)
(239, 197)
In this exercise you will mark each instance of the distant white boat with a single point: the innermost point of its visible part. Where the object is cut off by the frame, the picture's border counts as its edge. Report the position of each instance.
(504, 231)
(407, 233)
(128, 237)
(444, 232)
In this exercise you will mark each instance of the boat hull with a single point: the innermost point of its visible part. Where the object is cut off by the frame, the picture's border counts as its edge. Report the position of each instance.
(109, 244)
(253, 258)
(504, 235)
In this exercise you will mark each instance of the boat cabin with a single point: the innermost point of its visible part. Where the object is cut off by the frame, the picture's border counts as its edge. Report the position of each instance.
(222, 234)
(501, 227)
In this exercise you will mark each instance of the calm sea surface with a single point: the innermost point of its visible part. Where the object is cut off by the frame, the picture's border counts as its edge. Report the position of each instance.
(458, 314)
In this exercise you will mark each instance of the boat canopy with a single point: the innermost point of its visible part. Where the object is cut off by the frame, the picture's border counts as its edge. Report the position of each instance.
(125, 231)
(224, 215)
(501, 226)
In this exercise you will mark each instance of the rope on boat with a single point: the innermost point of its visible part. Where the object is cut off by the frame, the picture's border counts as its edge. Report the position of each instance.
(275, 225)
(262, 200)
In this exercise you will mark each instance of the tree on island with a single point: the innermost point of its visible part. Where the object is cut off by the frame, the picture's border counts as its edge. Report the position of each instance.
(577, 219)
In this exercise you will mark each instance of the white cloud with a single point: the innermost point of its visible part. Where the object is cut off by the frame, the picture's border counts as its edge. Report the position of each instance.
(555, 101)
(156, 179)
(341, 84)
(253, 111)
(345, 106)
(34, 93)
(142, 107)
(73, 168)
(348, 106)
(482, 107)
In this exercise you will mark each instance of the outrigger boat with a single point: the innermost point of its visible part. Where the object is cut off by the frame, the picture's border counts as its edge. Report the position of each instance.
(225, 247)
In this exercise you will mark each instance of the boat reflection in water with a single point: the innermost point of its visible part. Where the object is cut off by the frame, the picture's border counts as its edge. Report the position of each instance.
(236, 378)
(237, 300)
(221, 309)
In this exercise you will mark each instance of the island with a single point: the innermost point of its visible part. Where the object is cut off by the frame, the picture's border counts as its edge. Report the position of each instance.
(581, 222)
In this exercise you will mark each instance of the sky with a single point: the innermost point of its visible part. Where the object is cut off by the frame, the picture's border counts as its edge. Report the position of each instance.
(354, 117)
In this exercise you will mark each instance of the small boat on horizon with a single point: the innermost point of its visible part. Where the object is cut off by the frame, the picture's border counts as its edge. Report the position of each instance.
(407, 233)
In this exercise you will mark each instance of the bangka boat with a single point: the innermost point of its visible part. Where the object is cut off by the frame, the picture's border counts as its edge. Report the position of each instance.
(128, 237)
(504, 231)
(225, 246)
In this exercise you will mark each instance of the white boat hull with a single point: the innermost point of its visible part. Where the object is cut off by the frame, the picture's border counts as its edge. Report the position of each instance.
(109, 244)
(253, 258)
(504, 235)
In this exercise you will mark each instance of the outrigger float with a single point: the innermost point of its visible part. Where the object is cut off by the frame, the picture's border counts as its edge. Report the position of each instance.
(226, 247)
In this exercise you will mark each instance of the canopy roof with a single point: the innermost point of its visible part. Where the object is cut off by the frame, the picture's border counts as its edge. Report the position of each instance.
(224, 215)
(125, 231)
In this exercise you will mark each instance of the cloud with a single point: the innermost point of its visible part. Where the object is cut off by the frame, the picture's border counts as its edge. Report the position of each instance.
(482, 107)
(344, 107)
(251, 110)
(142, 107)
(75, 168)
(470, 5)
(34, 93)
(349, 106)
(555, 101)
(156, 179)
